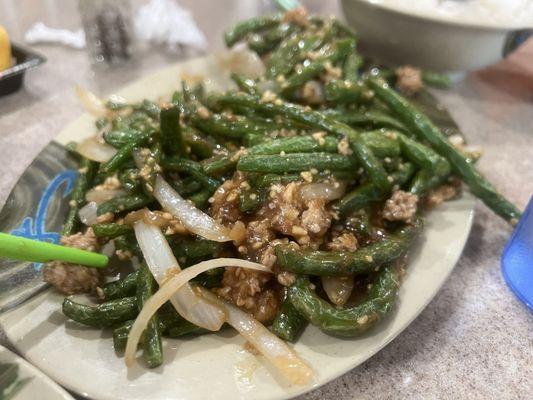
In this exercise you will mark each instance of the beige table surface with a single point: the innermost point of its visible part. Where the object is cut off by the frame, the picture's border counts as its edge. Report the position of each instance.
(474, 340)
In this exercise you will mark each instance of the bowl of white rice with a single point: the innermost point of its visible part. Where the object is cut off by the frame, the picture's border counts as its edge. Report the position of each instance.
(440, 35)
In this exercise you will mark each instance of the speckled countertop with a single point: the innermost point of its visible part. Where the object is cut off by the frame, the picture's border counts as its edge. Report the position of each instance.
(474, 340)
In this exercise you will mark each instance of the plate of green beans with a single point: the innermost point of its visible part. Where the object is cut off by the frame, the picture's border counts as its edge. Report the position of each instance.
(275, 216)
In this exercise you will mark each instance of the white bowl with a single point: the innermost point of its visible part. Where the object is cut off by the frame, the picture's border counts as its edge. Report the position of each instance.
(395, 36)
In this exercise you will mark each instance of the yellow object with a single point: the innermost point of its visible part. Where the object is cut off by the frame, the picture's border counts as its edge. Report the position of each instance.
(5, 50)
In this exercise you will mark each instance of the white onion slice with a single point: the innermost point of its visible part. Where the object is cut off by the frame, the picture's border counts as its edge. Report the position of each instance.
(108, 249)
(91, 102)
(322, 191)
(338, 288)
(194, 219)
(242, 61)
(159, 258)
(275, 350)
(88, 214)
(94, 150)
(173, 284)
(101, 195)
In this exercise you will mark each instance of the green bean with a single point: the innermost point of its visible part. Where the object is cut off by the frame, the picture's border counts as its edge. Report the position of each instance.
(244, 28)
(152, 347)
(111, 230)
(191, 167)
(123, 203)
(186, 328)
(149, 108)
(217, 124)
(435, 168)
(314, 119)
(371, 164)
(221, 164)
(348, 321)
(118, 289)
(367, 193)
(296, 144)
(352, 66)
(427, 131)
(101, 123)
(373, 118)
(129, 179)
(381, 144)
(342, 30)
(85, 178)
(103, 315)
(247, 85)
(200, 145)
(361, 261)
(119, 138)
(128, 243)
(187, 186)
(350, 92)
(252, 139)
(358, 198)
(289, 323)
(266, 180)
(120, 336)
(404, 173)
(121, 157)
(251, 200)
(294, 162)
(359, 223)
(284, 58)
(330, 53)
(179, 328)
(171, 135)
(201, 198)
(437, 80)
(192, 251)
(136, 121)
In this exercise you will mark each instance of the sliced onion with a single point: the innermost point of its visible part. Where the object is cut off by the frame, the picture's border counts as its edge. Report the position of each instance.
(173, 284)
(96, 151)
(322, 191)
(242, 61)
(99, 196)
(160, 259)
(338, 288)
(91, 102)
(87, 213)
(194, 219)
(108, 249)
(138, 159)
(275, 350)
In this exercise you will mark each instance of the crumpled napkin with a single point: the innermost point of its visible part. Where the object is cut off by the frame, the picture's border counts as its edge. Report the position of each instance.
(166, 22)
(40, 33)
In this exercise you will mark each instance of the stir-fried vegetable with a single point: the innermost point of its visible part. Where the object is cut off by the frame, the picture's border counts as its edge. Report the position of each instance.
(292, 198)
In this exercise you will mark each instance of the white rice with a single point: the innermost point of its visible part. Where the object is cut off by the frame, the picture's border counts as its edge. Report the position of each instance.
(506, 12)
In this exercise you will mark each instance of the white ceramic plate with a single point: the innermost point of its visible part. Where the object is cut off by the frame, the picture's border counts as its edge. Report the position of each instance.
(216, 366)
(37, 385)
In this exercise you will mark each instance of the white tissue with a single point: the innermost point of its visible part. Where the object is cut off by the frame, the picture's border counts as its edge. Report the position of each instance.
(40, 33)
(166, 22)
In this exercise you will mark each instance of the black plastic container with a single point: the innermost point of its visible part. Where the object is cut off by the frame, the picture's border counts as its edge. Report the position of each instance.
(11, 79)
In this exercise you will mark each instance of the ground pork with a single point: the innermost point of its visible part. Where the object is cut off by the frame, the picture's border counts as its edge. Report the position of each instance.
(409, 80)
(72, 278)
(225, 201)
(401, 206)
(443, 193)
(298, 15)
(307, 222)
(345, 241)
(247, 290)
